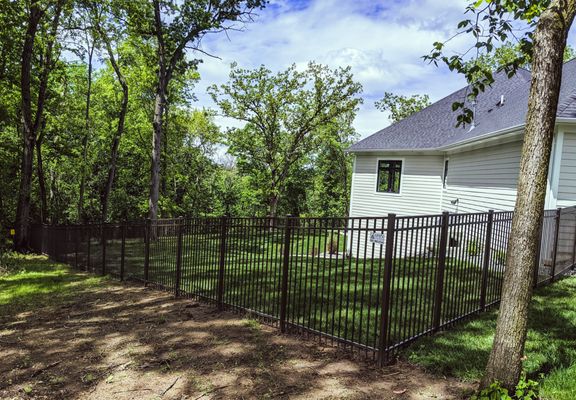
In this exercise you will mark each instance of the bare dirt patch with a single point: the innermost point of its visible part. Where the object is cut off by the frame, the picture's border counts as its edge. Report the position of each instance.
(126, 342)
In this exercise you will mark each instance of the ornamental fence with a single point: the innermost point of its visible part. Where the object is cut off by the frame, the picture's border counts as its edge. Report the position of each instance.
(371, 285)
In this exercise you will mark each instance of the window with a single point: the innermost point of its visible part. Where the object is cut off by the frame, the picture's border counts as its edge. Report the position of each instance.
(389, 172)
(444, 179)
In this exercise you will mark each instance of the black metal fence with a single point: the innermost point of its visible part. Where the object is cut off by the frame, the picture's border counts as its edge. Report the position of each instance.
(368, 284)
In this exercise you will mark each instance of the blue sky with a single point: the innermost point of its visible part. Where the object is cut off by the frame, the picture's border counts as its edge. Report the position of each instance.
(383, 42)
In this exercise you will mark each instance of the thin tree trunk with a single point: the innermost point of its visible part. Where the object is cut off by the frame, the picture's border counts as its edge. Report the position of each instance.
(505, 362)
(87, 127)
(32, 124)
(41, 176)
(119, 130)
(28, 131)
(159, 106)
(156, 154)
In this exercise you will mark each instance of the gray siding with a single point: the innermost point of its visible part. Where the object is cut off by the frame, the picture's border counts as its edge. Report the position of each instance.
(483, 179)
(420, 186)
(567, 184)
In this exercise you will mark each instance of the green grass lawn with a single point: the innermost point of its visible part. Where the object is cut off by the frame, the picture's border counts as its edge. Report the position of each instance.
(339, 296)
(29, 281)
(550, 348)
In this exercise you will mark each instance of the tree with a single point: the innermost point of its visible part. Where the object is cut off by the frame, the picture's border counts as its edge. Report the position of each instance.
(283, 115)
(177, 26)
(32, 112)
(329, 194)
(400, 106)
(507, 54)
(544, 44)
(110, 34)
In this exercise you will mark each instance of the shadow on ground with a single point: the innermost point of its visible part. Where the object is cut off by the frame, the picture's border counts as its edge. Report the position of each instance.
(121, 341)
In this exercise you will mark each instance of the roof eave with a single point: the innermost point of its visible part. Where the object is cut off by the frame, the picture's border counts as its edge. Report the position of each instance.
(454, 146)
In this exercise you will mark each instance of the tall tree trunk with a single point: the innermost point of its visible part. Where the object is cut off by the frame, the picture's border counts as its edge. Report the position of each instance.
(119, 130)
(31, 124)
(87, 127)
(156, 153)
(40, 174)
(164, 75)
(505, 362)
(28, 131)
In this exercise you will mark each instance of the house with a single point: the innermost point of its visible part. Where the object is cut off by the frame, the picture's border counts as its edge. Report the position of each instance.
(424, 164)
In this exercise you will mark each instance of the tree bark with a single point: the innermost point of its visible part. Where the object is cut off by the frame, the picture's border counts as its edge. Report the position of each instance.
(28, 131)
(87, 127)
(41, 175)
(159, 106)
(120, 128)
(505, 361)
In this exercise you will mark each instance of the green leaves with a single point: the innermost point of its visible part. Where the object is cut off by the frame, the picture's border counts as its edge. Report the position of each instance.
(284, 114)
(401, 107)
(493, 26)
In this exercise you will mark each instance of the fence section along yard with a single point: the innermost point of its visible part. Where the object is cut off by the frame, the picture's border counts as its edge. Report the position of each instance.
(368, 284)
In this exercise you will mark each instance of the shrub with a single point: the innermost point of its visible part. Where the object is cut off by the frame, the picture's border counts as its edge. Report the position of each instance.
(526, 389)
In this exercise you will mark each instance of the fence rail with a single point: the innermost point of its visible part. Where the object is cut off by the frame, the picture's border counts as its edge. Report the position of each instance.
(370, 285)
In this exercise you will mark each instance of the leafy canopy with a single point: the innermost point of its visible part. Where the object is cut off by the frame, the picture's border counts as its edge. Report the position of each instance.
(400, 106)
(492, 23)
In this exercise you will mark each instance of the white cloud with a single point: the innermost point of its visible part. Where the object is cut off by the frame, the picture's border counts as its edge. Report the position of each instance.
(383, 41)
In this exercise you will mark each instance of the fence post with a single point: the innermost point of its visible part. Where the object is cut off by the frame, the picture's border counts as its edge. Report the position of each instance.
(147, 249)
(179, 257)
(103, 239)
(556, 234)
(123, 250)
(386, 288)
(486, 260)
(285, 267)
(88, 256)
(440, 274)
(574, 248)
(539, 250)
(76, 245)
(223, 234)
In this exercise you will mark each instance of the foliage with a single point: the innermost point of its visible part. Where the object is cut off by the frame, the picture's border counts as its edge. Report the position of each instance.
(505, 55)
(525, 390)
(492, 23)
(400, 106)
(285, 116)
(81, 120)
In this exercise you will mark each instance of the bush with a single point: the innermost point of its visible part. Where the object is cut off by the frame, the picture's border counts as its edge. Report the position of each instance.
(525, 390)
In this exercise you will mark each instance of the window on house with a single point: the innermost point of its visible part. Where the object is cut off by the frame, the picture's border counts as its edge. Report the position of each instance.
(444, 179)
(389, 172)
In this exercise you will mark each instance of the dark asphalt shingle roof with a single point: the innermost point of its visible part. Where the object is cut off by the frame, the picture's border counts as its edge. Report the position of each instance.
(435, 126)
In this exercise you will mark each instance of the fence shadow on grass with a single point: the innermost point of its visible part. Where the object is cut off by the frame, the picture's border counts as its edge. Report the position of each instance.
(371, 285)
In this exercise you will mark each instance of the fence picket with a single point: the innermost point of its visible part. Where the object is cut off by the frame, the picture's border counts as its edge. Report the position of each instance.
(439, 289)
(555, 248)
(385, 302)
(285, 268)
(222, 260)
(355, 282)
(486, 260)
